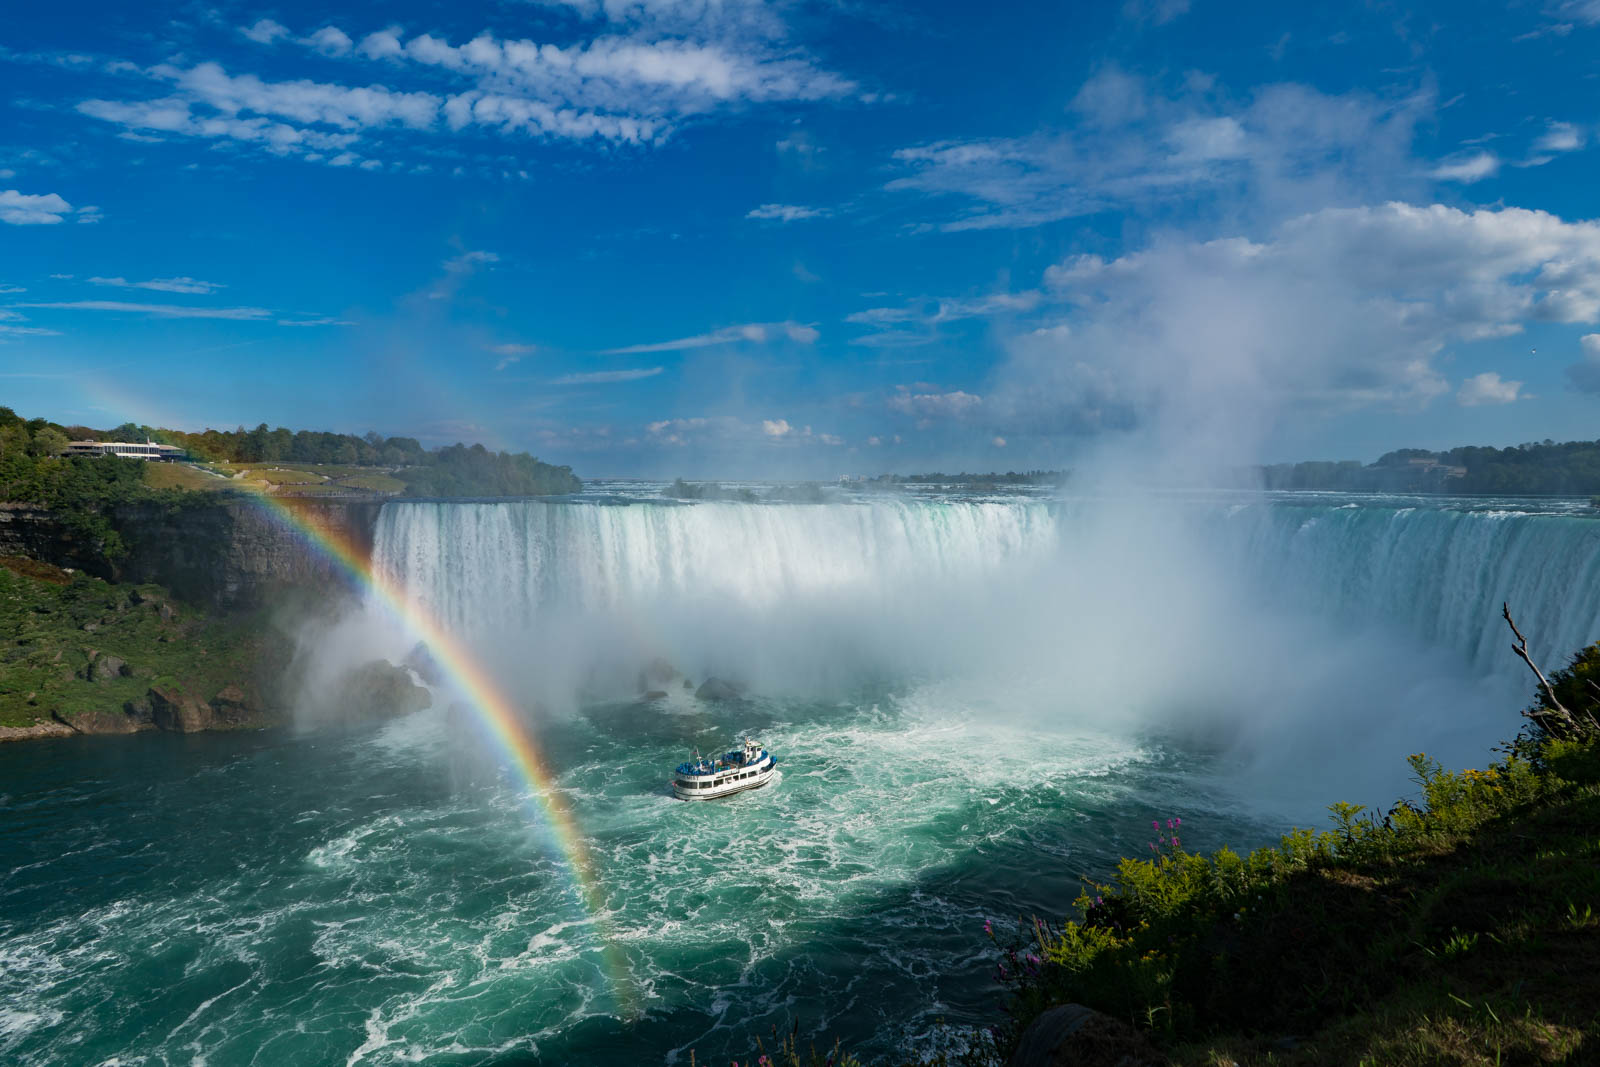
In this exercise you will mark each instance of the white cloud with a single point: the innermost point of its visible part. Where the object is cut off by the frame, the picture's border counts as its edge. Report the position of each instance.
(1487, 388)
(23, 209)
(755, 333)
(1284, 151)
(331, 41)
(632, 87)
(168, 311)
(1560, 137)
(265, 31)
(930, 312)
(776, 427)
(607, 377)
(785, 212)
(8, 290)
(1472, 168)
(955, 404)
(315, 322)
(162, 285)
(998, 442)
(1211, 344)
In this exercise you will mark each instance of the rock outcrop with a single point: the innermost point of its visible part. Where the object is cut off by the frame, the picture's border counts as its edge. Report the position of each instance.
(372, 692)
(219, 550)
(177, 711)
(718, 689)
(1071, 1035)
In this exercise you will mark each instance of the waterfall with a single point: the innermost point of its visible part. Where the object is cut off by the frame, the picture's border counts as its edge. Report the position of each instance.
(1308, 632)
(1439, 573)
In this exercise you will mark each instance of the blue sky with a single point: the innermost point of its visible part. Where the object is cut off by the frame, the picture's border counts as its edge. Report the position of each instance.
(694, 237)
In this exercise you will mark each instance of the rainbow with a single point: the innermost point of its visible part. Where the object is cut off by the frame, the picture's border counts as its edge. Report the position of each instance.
(496, 713)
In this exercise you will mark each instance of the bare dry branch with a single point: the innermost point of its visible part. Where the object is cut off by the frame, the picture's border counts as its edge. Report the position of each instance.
(1556, 710)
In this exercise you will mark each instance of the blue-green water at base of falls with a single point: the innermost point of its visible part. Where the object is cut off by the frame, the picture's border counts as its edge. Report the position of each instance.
(392, 897)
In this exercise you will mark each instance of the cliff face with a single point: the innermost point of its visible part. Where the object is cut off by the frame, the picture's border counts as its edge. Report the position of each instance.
(223, 552)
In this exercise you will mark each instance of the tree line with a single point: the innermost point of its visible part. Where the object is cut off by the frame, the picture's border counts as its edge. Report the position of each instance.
(31, 460)
(1567, 468)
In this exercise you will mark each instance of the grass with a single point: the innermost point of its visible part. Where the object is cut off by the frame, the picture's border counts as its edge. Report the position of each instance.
(314, 479)
(1464, 929)
(182, 476)
(377, 483)
(55, 623)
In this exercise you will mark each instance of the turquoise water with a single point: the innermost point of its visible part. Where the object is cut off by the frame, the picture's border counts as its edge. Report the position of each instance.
(975, 700)
(390, 897)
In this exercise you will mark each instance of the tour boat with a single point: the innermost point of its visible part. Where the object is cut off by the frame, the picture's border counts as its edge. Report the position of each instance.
(705, 778)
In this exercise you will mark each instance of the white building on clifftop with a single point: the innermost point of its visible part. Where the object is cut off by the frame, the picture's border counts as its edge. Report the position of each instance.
(126, 449)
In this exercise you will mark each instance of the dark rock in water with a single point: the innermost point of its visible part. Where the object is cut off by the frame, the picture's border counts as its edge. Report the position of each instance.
(178, 711)
(687, 684)
(716, 689)
(656, 694)
(657, 672)
(374, 691)
(420, 659)
(104, 668)
(1071, 1035)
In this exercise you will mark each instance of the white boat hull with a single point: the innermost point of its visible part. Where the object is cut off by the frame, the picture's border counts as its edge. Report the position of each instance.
(725, 782)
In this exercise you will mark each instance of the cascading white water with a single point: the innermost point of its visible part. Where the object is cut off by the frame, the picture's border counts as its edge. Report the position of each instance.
(1296, 631)
(1441, 573)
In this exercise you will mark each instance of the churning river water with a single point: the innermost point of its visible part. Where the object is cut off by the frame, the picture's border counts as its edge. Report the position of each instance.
(975, 700)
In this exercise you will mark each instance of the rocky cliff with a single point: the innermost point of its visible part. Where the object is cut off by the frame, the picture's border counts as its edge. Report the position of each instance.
(221, 551)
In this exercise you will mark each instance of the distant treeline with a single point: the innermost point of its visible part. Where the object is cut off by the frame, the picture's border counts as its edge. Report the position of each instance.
(1570, 468)
(33, 469)
(451, 471)
(1008, 478)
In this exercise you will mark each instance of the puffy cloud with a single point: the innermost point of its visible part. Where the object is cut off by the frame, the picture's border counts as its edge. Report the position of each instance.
(162, 285)
(331, 41)
(776, 427)
(1215, 342)
(755, 333)
(1487, 388)
(23, 209)
(265, 31)
(955, 404)
(606, 377)
(998, 441)
(785, 212)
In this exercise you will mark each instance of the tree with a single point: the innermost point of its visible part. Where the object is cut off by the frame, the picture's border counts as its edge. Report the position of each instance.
(49, 442)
